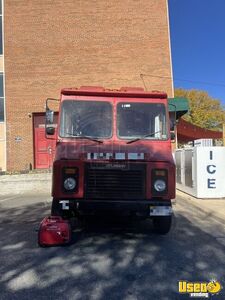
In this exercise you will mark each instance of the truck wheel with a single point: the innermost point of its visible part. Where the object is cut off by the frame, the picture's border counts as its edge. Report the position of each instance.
(162, 225)
(55, 209)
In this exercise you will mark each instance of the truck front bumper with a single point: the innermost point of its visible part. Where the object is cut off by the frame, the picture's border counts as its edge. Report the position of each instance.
(145, 208)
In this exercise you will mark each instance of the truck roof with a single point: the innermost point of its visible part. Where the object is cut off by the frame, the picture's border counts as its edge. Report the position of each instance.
(122, 92)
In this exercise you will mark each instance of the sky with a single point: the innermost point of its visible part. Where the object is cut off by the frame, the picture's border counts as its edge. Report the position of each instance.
(197, 30)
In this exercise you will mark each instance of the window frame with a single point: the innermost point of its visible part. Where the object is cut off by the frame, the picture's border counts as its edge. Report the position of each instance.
(139, 136)
(93, 101)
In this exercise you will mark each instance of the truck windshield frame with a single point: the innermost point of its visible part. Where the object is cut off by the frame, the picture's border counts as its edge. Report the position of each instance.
(141, 120)
(79, 118)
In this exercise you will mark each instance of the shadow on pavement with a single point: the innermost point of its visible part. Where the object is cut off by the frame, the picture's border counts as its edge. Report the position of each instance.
(108, 259)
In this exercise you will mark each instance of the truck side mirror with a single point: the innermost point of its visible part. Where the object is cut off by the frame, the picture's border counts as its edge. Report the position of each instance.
(173, 116)
(50, 130)
(49, 115)
(172, 136)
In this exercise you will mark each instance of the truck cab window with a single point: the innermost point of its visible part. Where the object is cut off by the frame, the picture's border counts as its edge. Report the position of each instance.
(86, 118)
(135, 120)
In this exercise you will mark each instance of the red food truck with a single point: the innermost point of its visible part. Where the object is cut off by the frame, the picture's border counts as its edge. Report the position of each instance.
(113, 155)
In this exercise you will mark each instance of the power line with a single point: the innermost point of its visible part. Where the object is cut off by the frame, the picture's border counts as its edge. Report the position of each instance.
(179, 79)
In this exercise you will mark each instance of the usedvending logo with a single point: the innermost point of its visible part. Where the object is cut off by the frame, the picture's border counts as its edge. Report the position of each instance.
(199, 289)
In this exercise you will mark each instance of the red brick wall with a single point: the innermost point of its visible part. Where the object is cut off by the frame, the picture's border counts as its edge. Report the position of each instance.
(66, 43)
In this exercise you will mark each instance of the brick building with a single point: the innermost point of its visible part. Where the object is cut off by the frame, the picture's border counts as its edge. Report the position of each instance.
(65, 43)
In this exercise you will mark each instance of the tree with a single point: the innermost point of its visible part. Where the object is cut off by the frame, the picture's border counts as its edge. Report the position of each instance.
(205, 111)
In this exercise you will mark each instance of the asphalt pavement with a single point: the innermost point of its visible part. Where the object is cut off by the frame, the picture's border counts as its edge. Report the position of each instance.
(109, 259)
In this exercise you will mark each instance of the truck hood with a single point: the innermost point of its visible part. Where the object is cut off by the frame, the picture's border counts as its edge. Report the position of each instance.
(88, 150)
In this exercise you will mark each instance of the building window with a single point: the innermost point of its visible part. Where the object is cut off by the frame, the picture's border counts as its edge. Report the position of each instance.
(1, 33)
(1, 86)
(1, 110)
(1, 98)
(1, 47)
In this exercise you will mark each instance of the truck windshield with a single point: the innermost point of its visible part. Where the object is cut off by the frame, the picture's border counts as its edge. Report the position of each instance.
(141, 121)
(86, 119)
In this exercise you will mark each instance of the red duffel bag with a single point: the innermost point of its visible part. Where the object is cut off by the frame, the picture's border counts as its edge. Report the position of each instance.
(54, 231)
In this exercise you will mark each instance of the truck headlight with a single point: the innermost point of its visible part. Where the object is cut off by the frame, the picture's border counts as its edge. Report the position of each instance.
(70, 184)
(160, 185)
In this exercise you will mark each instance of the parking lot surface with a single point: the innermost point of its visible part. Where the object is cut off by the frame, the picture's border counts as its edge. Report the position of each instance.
(108, 259)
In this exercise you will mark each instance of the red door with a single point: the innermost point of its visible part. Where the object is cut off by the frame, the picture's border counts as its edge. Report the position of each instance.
(44, 149)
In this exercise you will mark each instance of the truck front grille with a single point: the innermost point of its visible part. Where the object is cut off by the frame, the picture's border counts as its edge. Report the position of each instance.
(115, 181)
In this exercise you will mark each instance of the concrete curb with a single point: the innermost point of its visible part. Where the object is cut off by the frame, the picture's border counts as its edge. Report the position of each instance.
(25, 183)
(214, 207)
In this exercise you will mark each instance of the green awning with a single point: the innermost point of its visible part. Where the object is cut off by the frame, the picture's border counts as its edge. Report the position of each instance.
(178, 104)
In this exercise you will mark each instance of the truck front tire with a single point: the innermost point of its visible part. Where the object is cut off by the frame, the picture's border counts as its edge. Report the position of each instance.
(55, 208)
(162, 225)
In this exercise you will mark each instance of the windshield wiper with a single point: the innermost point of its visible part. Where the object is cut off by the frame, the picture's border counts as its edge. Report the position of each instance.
(144, 136)
(85, 137)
